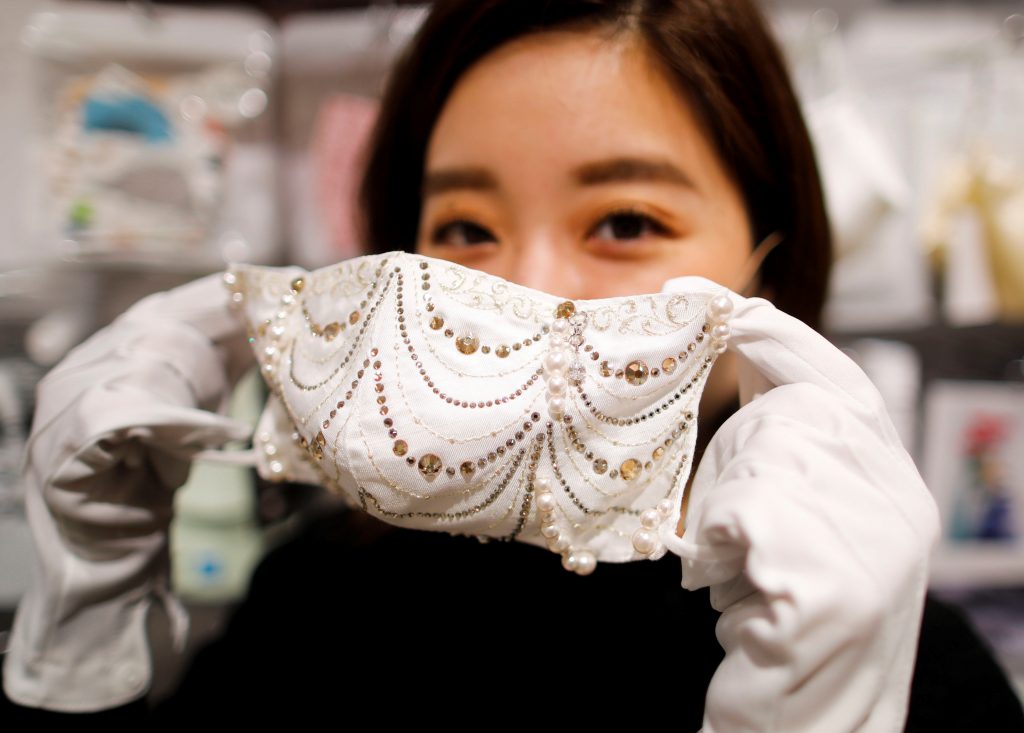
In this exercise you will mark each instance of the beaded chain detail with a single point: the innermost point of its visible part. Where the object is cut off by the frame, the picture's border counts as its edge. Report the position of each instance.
(435, 396)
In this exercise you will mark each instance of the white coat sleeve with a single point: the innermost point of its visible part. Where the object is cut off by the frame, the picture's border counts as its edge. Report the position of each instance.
(813, 529)
(115, 426)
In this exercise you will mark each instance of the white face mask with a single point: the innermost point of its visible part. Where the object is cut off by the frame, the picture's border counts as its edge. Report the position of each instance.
(439, 397)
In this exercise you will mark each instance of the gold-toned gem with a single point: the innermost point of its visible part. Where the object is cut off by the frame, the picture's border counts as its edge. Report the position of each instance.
(485, 349)
(502, 351)
(297, 284)
(400, 447)
(467, 469)
(353, 317)
(657, 453)
(668, 365)
(600, 465)
(430, 465)
(565, 309)
(449, 333)
(636, 372)
(606, 371)
(436, 323)
(331, 330)
(467, 344)
(630, 469)
(320, 439)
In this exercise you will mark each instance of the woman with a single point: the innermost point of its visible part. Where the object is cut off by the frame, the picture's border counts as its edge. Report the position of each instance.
(530, 141)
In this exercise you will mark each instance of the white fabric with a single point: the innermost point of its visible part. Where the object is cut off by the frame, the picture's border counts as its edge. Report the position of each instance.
(115, 424)
(812, 526)
(807, 518)
(394, 323)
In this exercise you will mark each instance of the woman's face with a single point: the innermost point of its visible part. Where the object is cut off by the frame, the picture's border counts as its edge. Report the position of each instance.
(568, 164)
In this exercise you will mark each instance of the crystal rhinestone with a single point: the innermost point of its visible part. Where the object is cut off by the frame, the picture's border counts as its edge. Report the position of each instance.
(449, 333)
(467, 344)
(657, 453)
(430, 465)
(606, 370)
(353, 317)
(331, 330)
(565, 309)
(436, 323)
(467, 469)
(668, 365)
(400, 448)
(600, 465)
(630, 469)
(297, 284)
(502, 351)
(576, 373)
(636, 372)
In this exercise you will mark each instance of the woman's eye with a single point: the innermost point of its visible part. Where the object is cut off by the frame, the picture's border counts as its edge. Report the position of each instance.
(471, 234)
(626, 225)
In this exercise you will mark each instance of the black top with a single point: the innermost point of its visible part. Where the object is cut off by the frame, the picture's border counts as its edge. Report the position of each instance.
(354, 616)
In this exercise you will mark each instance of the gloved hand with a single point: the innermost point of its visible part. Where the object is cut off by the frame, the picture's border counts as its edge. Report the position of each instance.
(812, 526)
(115, 426)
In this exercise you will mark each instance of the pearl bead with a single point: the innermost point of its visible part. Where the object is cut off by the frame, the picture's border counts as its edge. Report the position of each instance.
(556, 406)
(665, 507)
(546, 502)
(555, 362)
(550, 531)
(721, 347)
(719, 308)
(542, 483)
(559, 544)
(557, 384)
(556, 341)
(569, 561)
(651, 518)
(721, 332)
(560, 326)
(585, 562)
(644, 541)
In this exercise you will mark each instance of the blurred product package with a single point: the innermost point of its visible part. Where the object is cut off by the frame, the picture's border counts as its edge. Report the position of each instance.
(152, 136)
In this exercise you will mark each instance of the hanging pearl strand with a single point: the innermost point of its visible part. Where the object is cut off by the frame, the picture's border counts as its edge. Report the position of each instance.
(560, 356)
(561, 367)
(579, 561)
(719, 312)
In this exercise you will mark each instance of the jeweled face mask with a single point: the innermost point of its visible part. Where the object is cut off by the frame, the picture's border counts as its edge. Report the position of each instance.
(439, 397)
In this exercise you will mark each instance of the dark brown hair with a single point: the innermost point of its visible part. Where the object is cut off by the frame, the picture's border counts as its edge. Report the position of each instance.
(719, 54)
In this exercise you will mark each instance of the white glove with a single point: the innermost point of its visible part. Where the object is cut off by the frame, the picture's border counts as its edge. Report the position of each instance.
(116, 424)
(812, 526)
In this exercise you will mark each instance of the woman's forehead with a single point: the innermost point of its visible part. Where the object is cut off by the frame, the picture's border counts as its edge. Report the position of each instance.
(553, 102)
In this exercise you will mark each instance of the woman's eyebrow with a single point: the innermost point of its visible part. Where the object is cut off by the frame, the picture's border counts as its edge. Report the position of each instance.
(451, 179)
(625, 169)
(611, 170)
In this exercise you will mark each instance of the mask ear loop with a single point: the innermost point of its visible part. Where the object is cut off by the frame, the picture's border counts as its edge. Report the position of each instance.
(753, 264)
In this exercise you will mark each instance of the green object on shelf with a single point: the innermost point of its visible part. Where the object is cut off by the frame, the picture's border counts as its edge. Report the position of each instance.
(81, 214)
